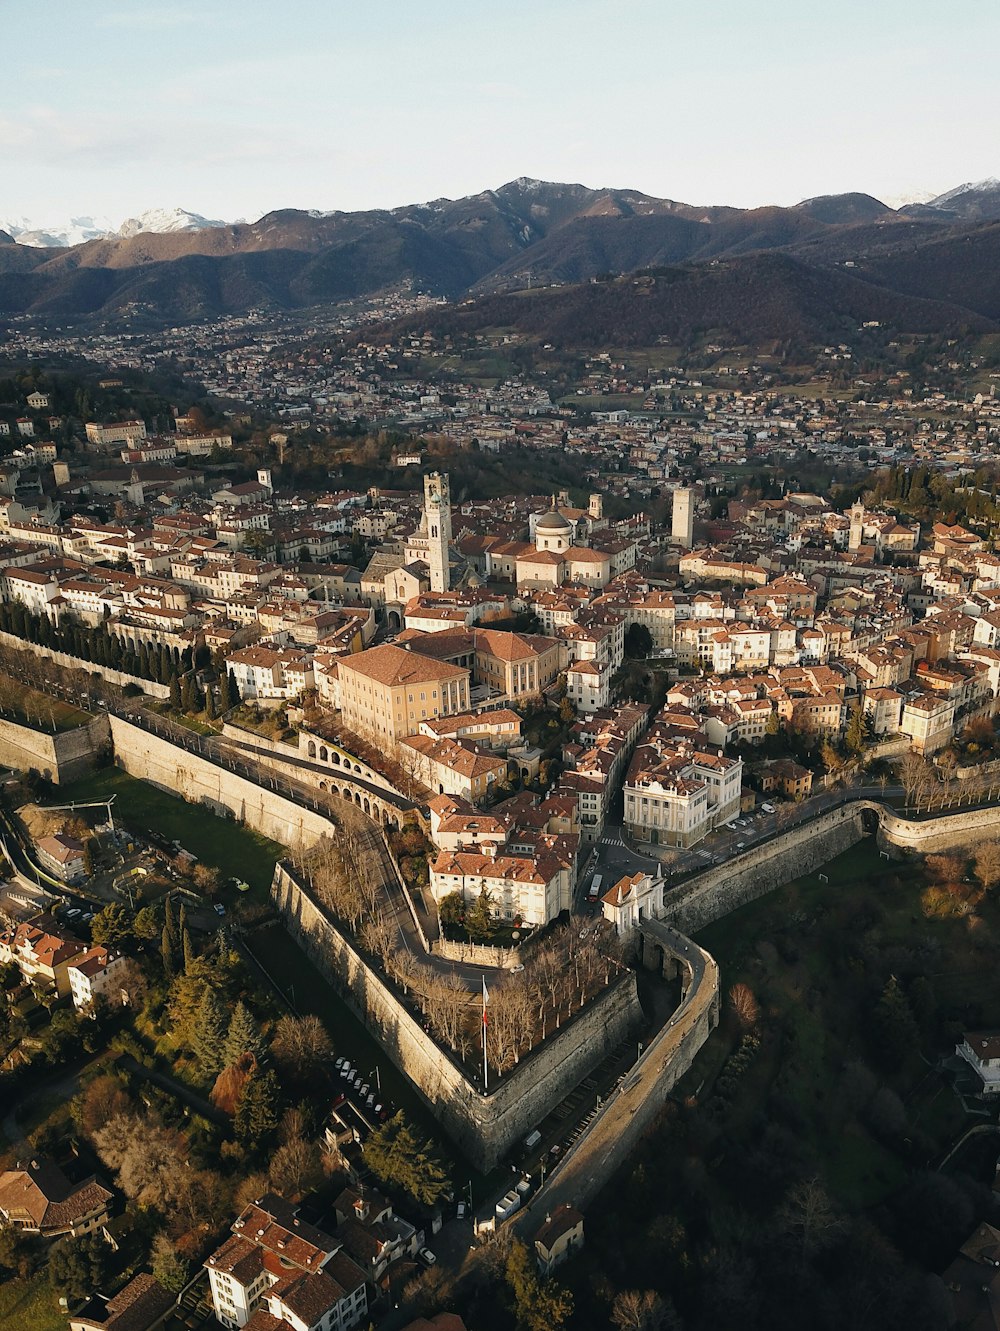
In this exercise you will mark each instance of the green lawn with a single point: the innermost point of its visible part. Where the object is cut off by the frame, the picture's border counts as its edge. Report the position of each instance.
(237, 850)
(30, 1305)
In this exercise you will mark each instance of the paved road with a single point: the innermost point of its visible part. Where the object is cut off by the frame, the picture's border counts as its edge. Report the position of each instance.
(614, 1131)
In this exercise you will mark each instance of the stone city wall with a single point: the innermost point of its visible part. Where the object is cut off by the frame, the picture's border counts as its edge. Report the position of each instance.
(943, 831)
(754, 872)
(65, 756)
(118, 677)
(484, 1126)
(195, 779)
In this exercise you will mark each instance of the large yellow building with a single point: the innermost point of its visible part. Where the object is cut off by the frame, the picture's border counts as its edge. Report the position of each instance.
(387, 691)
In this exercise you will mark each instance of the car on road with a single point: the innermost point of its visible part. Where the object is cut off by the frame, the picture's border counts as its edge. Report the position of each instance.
(427, 1257)
(220, 908)
(461, 1210)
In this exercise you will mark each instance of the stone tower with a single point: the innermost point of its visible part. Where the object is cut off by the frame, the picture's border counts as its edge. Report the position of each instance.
(682, 518)
(437, 523)
(857, 532)
(596, 509)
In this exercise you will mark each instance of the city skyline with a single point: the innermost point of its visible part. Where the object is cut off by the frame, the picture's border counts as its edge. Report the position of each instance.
(127, 108)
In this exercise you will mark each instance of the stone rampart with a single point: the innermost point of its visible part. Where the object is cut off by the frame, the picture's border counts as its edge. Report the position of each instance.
(118, 677)
(195, 779)
(477, 954)
(483, 1126)
(759, 870)
(65, 756)
(943, 831)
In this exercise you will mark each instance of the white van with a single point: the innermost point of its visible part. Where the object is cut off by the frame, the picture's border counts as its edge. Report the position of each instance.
(532, 1140)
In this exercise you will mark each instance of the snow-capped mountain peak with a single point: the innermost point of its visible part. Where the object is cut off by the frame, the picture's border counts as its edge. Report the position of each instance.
(987, 186)
(60, 234)
(166, 219)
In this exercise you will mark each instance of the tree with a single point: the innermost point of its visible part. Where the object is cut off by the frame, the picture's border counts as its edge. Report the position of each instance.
(538, 1305)
(567, 712)
(745, 1005)
(479, 917)
(397, 1156)
(635, 1310)
(258, 1111)
(147, 923)
(206, 879)
(113, 925)
(98, 1102)
(167, 953)
(987, 864)
(243, 1036)
(78, 1267)
(175, 694)
(451, 908)
(894, 1029)
(169, 1267)
(301, 1045)
(209, 1036)
(295, 1168)
(856, 734)
(638, 642)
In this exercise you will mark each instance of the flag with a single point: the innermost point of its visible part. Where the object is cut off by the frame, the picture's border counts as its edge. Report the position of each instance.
(486, 999)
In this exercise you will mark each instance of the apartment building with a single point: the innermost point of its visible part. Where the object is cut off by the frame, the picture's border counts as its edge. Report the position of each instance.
(386, 691)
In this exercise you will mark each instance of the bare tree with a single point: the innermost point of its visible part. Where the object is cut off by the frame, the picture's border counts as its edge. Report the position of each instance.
(642, 1310)
(987, 864)
(745, 1006)
(301, 1044)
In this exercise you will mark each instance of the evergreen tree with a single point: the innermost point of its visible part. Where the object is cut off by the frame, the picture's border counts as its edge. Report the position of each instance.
(397, 1156)
(258, 1111)
(209, 1035)
(188, 699)
(243, 1036)
(225, 696)
(209, 704)
(234, 690)
(187, 948)
(175, 694)
(167, 953)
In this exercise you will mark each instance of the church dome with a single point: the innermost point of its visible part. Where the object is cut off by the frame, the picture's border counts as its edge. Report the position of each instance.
(553, 521)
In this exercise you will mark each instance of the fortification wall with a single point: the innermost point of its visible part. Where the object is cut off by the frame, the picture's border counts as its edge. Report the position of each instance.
(484, 1126)
(198, 781)
(758, 870)
(61, 757)
(118, 677)
(946, 831)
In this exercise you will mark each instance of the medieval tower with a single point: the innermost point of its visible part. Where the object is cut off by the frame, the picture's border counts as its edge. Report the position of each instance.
(437, 525)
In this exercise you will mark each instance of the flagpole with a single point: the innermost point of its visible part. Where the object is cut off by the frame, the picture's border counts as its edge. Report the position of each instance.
(486, 1074)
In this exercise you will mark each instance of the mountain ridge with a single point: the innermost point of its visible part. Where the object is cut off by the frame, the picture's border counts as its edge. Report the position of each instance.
(525, 233)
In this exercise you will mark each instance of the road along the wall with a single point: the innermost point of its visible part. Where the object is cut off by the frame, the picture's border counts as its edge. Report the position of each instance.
(630, 1111)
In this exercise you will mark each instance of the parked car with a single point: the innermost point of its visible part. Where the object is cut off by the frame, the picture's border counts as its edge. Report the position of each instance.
(427, 1257)
(461, 1210)
(767, 808)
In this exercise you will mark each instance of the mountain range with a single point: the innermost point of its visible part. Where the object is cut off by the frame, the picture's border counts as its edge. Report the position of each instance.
(810, 268)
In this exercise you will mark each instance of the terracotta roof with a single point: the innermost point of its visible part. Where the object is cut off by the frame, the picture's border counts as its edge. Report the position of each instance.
(390, 665)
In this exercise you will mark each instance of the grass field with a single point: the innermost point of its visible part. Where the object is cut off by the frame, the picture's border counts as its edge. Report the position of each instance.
(237, 850)
(30, 1305)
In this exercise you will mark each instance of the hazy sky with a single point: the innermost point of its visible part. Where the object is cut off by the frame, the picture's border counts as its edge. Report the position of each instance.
(231, 109)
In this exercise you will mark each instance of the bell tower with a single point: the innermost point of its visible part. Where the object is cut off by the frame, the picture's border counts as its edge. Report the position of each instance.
(437, 522)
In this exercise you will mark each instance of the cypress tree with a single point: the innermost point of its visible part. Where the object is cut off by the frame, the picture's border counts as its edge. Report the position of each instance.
(170, 925)
(175, 693)
(234, 689)
(209, 704)
(225, 696)
(188, 694)
(187, 948)
(167, 953)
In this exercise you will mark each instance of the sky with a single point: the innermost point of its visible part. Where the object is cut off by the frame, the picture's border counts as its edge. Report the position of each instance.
(233, 109)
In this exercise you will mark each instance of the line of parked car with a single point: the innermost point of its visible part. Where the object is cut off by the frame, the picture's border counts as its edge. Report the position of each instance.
(367, 1096)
